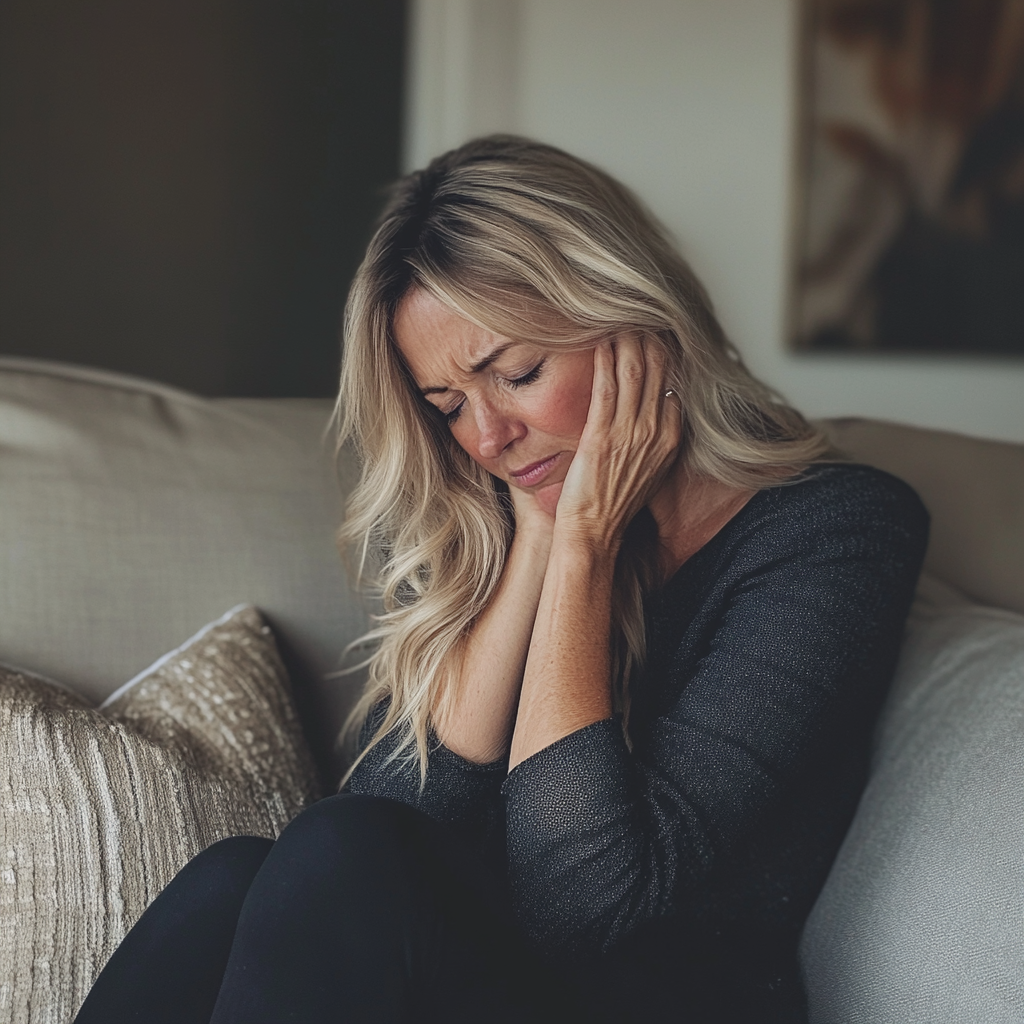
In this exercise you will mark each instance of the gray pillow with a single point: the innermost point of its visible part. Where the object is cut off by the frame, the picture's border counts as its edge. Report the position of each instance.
(100, 807)
(922, 917)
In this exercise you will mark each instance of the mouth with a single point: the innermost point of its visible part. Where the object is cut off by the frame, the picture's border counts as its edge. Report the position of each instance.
(535, 472)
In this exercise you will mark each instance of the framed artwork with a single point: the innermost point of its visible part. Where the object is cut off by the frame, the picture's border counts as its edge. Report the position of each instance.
(911, 191)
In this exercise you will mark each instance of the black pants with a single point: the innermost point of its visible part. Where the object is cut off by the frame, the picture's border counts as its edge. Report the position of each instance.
(363, 910)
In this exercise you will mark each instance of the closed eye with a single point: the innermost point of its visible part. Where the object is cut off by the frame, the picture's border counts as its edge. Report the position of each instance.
(513, 382)
(527, 378)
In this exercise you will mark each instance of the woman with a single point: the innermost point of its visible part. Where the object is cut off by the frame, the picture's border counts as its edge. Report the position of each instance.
(637, 624)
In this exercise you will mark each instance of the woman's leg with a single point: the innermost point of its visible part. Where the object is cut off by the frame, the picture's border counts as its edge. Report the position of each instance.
(367, 910)
(168, 968)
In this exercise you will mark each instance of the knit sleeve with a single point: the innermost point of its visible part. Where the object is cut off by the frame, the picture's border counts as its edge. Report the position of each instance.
(601, 839)
(460, 793)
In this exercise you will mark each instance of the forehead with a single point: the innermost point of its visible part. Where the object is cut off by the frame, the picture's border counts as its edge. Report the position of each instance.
(438, 344)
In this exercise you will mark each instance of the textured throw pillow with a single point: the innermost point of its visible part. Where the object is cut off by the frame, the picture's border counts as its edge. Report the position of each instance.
(922, 918)
(100, 807)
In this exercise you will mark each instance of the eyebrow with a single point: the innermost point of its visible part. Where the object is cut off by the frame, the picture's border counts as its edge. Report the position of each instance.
(475, 368)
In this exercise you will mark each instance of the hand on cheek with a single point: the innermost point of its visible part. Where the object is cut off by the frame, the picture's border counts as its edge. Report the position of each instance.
(630, 440)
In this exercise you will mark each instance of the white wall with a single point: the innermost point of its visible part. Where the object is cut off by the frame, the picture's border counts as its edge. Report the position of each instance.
(692, 103)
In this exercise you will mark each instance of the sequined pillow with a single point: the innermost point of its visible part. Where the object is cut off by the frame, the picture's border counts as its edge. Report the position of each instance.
(100, 807)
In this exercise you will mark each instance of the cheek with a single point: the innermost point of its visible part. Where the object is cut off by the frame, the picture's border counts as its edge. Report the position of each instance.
(574, 409)
(557, 412)
(567, 401)
(465, 436)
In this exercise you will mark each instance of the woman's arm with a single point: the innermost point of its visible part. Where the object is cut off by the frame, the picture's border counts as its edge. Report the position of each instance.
(478, 725)
(630, 440)
(567, 685)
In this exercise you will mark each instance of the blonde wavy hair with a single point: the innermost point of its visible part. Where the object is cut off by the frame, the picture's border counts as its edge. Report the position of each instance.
(531, 243)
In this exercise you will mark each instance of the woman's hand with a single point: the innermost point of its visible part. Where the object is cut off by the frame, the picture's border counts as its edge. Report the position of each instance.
(629, 443)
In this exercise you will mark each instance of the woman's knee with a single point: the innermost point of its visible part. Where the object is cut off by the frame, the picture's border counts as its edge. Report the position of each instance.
(348, 818)
(236, 855)
(349, 832)
(221, 873)
(339, 873)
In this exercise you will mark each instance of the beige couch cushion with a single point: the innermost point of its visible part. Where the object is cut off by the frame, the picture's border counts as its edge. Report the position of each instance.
(920, 921)
(974, 491)
(100, 808)
(132, 513)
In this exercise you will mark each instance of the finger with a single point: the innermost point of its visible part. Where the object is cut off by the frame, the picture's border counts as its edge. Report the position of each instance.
(630, 374)
(604, 394)
(654, 381)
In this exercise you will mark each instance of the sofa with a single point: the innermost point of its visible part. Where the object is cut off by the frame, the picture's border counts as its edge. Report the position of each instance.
(174, 666)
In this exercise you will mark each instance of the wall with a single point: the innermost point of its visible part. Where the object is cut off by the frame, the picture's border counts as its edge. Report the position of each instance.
(692, 103)
(187, 186)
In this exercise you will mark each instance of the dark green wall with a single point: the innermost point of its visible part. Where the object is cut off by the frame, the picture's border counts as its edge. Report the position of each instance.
(186, 185)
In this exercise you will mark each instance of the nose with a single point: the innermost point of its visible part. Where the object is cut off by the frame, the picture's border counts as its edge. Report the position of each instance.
(496, 430)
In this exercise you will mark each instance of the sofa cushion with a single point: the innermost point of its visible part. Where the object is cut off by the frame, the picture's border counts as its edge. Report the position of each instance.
(922, 918)
(974, 490)
(131, 513)
(99, 808)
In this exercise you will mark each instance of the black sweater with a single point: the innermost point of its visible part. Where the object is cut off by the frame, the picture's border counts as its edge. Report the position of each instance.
(685, 868)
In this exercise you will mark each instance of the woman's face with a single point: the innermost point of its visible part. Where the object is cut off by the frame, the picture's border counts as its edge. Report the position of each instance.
(517, 410)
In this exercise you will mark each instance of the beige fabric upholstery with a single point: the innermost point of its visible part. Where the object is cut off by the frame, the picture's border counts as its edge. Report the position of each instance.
(920, 920)
(974, 490)
(99, 809)
(131, 514)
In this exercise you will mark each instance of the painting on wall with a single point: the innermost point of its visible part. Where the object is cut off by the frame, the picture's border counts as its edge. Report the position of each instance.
(911, 193)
